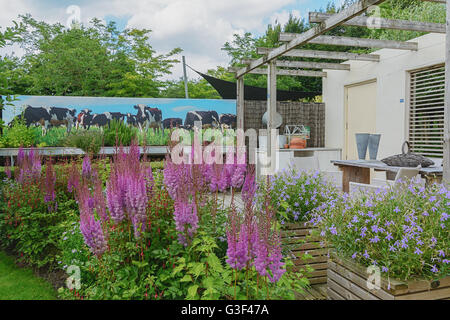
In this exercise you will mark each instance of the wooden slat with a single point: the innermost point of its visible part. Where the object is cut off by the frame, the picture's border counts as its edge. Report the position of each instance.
(382, 23)
(337, 19)
(358, 280)
(318, 54)
(285, 72)
(350, 286)
(343, 292)
(306, 64)
(355, 42)
(332, 295)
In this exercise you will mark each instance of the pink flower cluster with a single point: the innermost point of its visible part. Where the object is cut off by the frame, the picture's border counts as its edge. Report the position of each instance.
(29, 165)
(127, 189)
(252, 239)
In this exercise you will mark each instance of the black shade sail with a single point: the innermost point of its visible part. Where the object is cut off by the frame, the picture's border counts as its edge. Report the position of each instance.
(227, 90)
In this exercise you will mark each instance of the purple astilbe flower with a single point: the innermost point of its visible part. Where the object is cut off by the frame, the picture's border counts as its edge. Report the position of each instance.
(99, 200)
(261, 261)
(20, 156)
(186, 220)
(8, 169)
(248, 188)
(86, 168)
(136, 203)
(74, 178)
(49, 186)
(93, 234)
(224, 181)
(115, 201)
(237, 179)
(275, 264)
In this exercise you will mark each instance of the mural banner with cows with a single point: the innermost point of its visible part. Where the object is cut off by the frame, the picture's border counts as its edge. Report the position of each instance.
(144, 113)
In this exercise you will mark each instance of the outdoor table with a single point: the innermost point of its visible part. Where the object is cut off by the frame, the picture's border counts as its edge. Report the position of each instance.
(359, 171)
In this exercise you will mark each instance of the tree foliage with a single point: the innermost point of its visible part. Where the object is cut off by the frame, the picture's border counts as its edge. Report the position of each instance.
(94, 60)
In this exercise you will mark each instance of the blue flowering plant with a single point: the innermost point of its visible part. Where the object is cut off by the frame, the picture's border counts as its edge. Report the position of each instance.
(296, 194)
(404, 230)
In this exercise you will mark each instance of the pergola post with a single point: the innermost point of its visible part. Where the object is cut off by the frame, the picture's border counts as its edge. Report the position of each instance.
(271, 110)
(446, 161)
(240, 103)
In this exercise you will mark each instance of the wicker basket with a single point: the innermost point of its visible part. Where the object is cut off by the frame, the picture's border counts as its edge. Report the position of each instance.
(407, 159)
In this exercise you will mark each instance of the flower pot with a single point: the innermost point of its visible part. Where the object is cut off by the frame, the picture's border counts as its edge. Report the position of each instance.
(347, 280)
(297, 143)
(362, 141)
(374, 143)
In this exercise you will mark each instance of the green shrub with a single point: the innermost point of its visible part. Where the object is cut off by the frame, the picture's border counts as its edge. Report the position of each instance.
(89, 141)
(153, 138)
(118, 133)
(55, 137)
(18, 135)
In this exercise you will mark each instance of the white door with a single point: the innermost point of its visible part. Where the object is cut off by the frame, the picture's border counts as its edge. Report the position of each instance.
(360, 115)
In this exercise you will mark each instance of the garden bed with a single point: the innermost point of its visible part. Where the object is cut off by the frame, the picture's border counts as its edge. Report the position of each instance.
(307, 251)
(347, 281)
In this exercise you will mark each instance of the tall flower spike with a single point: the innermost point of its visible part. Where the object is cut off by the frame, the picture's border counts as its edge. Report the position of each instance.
(93, 234)
(86, 168)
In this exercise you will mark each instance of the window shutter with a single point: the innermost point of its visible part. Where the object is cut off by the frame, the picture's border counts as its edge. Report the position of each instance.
(426, 113)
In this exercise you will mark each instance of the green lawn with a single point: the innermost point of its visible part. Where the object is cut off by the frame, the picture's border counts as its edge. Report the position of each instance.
(21, 284)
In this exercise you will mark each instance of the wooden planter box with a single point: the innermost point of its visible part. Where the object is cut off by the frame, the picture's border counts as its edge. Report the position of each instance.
(297, 238)
(347, 280)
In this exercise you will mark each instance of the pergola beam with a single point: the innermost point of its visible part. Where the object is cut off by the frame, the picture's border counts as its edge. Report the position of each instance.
(306, 64)
(382, 23)
(300, 53)
(285, 72)
(355, 42)
(303, 38)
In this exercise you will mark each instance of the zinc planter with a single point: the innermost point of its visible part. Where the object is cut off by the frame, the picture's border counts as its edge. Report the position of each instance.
(298, 239)
(374, 143)
(362, 141)
(347, 280)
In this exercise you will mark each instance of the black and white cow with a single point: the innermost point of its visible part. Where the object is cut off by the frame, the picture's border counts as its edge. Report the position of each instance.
(117, 116)
(172, 123)
(61, 116)
(48, 116)
(131, 119)
(227, 121)
(86, 119)
(209, 119)
(148, 117)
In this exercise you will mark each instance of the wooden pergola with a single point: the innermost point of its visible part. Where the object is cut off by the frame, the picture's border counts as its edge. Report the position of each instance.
(351, 16)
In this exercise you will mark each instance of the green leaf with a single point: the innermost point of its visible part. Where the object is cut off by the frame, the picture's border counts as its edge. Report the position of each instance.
(192, 292)
(186, 278)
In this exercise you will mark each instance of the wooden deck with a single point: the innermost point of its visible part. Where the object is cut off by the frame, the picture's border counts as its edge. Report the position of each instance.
(315, 292)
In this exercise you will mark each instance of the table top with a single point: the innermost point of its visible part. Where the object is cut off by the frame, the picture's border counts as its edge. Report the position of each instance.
(378, 165)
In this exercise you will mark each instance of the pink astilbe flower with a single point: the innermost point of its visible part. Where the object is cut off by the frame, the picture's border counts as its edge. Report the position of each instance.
(99, 200)
(93, 234)
(248, 188)
(86, 168)
(238, 176)
(274, 262)
(136, 203)
(74, 178)
(8, 169)
(115, 201)
(50, 180)
(186, 220)
(20, 156)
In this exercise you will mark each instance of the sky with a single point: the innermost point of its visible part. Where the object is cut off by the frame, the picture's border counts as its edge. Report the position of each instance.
(199, 27)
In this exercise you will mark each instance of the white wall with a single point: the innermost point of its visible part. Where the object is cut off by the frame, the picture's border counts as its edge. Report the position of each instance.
(391, 74)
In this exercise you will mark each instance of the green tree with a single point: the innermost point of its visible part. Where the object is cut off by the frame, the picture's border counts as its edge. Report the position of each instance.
(93, 60)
